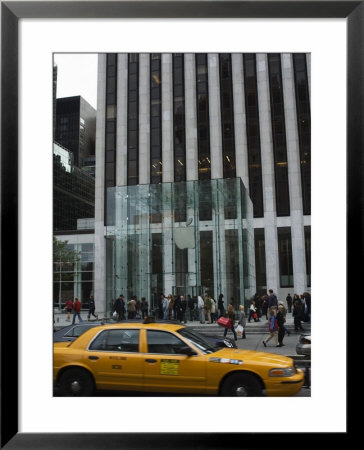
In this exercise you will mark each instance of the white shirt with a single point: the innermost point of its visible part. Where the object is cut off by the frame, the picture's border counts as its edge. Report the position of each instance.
(200, 302)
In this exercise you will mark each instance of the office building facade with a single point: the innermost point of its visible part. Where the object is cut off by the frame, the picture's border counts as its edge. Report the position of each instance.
(202, 175)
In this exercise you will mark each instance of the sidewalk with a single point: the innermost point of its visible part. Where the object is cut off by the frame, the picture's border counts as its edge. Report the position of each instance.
(253, 327)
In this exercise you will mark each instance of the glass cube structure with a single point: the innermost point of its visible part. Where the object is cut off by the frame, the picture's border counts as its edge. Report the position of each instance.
(180, 238)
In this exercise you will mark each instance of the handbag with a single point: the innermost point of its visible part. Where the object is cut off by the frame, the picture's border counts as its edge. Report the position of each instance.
(239, 330)
(255, 315)
(224, 322)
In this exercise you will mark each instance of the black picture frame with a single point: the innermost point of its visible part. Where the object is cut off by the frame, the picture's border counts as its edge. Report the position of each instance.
(11, 12)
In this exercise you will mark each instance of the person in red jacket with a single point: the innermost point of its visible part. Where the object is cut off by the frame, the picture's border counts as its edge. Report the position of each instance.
(76, 310)
(69, 306)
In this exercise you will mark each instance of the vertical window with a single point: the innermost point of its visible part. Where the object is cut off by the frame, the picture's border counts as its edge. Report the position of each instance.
(279, 135)
(260, 265)
(253, 134)
(304, 126)
(179, 135)
(227, 116)
(110, 124)
(308, 253)
(285, 256)
(179, 139)
(155, 119)
(133, 120)
(203, 128)
(203, 135)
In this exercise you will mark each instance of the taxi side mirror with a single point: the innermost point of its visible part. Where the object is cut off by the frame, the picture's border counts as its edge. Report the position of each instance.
(186, 350)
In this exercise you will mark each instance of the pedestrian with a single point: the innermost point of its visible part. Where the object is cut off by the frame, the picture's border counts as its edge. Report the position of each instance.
(191, 306)
(164, 306)
(220, 305)
(297, 314)
(119, 307)
(280, 322)
(213, 310)
(272, 328)
(184, 307)
(289, 303)
(175, 308)
(160, 307)
(307, 297)
(137, 308)
(76, 310)
(284, 311)
(207, 308)
(242, 319)
(253, 312)
(170, 301)
(91, 308)
(69, 307)
(200, 306)
(265, 306)
(144, 307)
(258, 304)
(131, 305)
(231, 316)
(272, 300)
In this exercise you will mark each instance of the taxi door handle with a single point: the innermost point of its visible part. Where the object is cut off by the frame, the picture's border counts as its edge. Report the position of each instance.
(151, 360)
(94, 358)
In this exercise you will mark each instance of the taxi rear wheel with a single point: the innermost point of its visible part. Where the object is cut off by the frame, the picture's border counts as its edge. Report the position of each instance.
(241, 385)
(76, 383)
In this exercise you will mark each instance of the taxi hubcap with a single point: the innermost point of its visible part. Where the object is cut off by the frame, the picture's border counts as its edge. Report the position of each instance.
(241, 391)
(75, 386)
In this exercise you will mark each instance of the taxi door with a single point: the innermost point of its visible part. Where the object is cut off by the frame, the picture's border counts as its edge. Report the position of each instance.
(166, 370)
(115, 360)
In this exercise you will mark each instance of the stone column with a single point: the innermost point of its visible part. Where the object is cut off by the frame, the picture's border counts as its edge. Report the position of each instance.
(192, 165)
(144, 119)
(241, 146)
(266, 141)
(122, 121)
(100, 247)
(294, 176)
(167, 118)
(168, 172)
(215, 116)
(216, 172)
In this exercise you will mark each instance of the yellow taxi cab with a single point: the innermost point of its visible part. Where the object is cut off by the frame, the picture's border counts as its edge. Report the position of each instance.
(164, 357)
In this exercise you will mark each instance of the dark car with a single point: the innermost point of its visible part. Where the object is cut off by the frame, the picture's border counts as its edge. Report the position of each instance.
(72, 332)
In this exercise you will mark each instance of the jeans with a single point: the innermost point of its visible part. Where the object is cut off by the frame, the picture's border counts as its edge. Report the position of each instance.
(192, 314)
(200, 313)
(74, 317)
(233, 330)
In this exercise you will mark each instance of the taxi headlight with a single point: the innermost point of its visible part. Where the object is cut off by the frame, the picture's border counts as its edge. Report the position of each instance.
(282, 372)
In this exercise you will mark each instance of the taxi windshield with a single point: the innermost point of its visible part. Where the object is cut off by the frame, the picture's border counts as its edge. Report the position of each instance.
(203, 344)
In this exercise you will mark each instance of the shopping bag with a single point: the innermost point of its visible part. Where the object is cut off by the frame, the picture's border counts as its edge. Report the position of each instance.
(224, 322)
(239, 330)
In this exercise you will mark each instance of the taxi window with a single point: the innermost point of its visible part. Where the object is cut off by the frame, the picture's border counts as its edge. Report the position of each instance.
(164, 342)
(116, 341)
(77, 331)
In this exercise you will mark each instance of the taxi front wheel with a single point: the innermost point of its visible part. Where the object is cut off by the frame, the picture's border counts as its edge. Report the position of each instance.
(241, 385)
(76, 383)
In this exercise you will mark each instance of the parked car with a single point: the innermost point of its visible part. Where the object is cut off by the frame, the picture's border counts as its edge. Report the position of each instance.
(303, 346)
(165, 357)
(71, 332)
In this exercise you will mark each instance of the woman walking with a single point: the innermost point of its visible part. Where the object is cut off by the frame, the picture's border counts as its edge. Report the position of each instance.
(242, 319)
(272, 328)
(231, 316)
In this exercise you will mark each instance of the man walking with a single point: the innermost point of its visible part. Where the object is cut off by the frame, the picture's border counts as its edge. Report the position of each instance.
(207, 308)
(272, 300)
(91, 308)
(76, 310)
